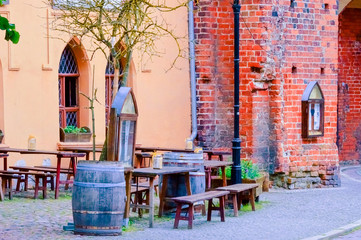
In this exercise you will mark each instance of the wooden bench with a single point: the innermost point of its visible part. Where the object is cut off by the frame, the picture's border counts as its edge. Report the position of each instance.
(42, 169)
(191, 199)
(241, 191)
(8, 176)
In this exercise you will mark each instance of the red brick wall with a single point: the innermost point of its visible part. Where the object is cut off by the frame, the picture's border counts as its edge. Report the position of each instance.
(349, 125)
(274, 39)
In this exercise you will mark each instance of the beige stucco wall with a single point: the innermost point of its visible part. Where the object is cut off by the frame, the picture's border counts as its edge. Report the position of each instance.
(29, 84)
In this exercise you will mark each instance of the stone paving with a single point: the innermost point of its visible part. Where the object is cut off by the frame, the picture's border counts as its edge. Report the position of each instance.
(284, 214)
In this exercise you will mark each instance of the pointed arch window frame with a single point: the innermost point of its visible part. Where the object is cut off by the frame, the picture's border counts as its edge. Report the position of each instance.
(313, 108)
(68, 115)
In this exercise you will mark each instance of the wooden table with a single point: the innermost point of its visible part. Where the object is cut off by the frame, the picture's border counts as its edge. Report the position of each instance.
(4, 156)
(220, 154)
(154, 149)
(86, 150)
(165, 172)
(59, 155)
(208, 165)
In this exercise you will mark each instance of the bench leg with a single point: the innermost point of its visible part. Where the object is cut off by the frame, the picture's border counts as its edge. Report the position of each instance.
(177, 215)
(140, 202)
(18, 184)
(52, 186)
(3, 186)
(204, 208)
(221, 208)
(210, 207)
(190, 216)
(235, 205)
(10, 188)
(45, 182)
(36, 187)
(252, 199)
(1, 190)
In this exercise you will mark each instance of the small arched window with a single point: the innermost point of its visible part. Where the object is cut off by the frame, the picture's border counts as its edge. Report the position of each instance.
(312, 111)
(68, 89)
(109, 83)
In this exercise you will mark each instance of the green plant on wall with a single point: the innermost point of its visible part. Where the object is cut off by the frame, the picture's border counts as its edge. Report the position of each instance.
(10, 32)
(73, 129)
(249, 170)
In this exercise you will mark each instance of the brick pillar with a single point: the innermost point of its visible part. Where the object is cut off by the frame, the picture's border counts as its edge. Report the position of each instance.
(349, 85)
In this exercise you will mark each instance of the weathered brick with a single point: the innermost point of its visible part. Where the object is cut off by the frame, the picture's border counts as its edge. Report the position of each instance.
(280, 54)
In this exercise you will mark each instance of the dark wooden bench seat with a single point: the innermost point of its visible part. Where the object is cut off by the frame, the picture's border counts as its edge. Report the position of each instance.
(42, 169)
(8, 176)
(190, 200)
(241, 191)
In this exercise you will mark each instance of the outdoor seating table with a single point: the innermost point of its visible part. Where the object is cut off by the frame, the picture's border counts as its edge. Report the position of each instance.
(220, 154)
(165, 172)
(154, 149)
(209, 164)
(86, 150)
(59, 155)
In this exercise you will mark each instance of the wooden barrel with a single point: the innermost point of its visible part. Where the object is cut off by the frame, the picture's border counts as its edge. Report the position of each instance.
(98, 198)
(176, 183)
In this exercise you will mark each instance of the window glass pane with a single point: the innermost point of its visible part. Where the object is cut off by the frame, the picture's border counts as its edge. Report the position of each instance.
(70, 92)
(126, 142)
(129, 105)
(67, 62)
(316, 93)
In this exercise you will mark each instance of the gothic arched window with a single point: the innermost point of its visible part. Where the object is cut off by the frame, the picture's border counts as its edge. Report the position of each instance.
(68, 89)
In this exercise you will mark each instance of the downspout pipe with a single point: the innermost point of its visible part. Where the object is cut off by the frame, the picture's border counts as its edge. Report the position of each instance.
(192, 69)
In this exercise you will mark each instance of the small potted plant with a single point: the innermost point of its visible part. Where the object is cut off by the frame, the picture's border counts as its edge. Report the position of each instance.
(250, 174)
(75, 134)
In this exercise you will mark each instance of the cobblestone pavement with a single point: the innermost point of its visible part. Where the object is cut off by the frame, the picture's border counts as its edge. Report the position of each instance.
(284, 215)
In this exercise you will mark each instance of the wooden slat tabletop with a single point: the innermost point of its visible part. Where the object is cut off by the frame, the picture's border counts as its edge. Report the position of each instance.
(200, 196)
(153, 149)
(236, 188)
(215, 163)
(163, 171)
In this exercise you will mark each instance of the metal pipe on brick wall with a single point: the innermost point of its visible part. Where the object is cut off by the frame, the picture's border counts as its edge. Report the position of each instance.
(192, 66)
(236, 173)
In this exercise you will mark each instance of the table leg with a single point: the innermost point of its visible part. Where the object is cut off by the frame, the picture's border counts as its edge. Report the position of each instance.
(138, 160)
(57, 177)
(87, 155)
(252, 199)
(235, 205)
(224, 178)
(208, 172)
(162, 194)
(5, 163)
(128, 177)
(151, 201)
(74, 162)
(188, 184)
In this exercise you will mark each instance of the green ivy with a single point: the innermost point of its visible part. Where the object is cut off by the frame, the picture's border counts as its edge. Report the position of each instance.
(73, 129)
(10, 32)
(248, 168)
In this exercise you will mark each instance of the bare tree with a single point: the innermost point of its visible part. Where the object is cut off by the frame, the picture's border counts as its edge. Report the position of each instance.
(117, 27)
